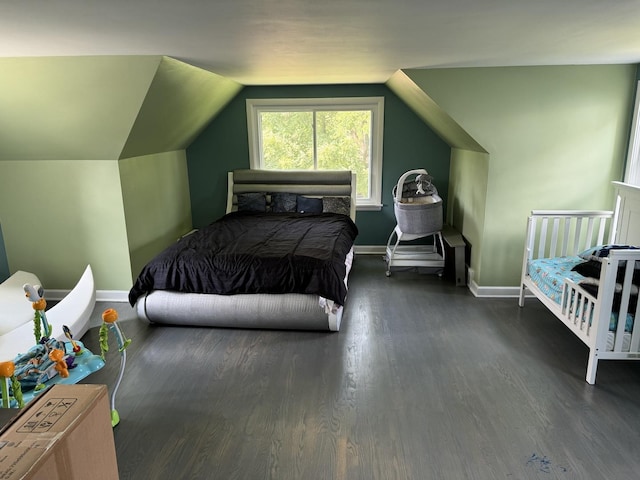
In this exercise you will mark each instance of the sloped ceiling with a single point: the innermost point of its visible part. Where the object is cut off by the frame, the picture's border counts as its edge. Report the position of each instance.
(70, 108)
(181, 101)
(104, 108)
(439, 121)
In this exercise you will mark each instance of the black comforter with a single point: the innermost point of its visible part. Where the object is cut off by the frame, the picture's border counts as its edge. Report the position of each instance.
(256, 253)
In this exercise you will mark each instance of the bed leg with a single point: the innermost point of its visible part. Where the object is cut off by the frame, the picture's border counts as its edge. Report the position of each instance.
(592, 366)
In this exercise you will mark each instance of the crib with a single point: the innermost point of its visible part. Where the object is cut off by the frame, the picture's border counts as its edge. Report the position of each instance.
(599, 308)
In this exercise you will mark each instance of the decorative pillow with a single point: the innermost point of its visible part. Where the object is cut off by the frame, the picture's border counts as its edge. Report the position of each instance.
(283, 202)
(308, 205)
(252, 202)
(336, 205)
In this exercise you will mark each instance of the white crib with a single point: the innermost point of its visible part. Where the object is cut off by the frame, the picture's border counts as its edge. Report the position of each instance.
(564, 233)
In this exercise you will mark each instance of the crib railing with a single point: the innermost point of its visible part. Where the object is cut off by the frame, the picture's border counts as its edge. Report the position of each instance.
(618, 294)
(578, 307)
(590, 318)
(558, 233)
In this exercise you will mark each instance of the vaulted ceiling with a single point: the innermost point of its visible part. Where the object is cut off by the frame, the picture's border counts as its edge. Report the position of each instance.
(261, 42)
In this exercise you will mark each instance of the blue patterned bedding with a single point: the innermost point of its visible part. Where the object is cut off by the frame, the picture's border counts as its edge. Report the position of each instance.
(549, 274)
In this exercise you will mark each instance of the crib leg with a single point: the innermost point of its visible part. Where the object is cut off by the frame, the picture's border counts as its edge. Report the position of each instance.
(521, 299)
(592, 366)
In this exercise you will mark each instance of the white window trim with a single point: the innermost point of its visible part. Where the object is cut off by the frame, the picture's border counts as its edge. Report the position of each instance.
(375, 104)
(632, 169)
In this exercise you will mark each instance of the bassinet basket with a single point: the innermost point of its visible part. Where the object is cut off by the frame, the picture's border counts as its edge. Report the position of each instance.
(417, 213)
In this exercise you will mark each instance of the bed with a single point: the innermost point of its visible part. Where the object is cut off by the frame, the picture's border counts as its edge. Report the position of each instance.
(278, 259)
(584, 266)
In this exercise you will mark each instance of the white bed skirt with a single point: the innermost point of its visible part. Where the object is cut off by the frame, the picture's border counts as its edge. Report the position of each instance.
(291, 311)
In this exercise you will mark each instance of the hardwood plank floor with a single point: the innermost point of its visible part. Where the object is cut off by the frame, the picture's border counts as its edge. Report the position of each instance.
(424, 381)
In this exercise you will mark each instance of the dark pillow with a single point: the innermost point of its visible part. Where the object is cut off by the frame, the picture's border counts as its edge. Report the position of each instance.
(599, 252)
(308, 205)
(283, 202)
(592, 268)
(252, 202)
(593, 288)
(336, 205)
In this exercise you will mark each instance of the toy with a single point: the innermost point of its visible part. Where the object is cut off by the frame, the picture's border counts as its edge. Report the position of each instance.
(52, 360)
(47, 362)
(58, 357)
(35, 294)
(41, 363)
(76, 348)
(7, 372)
(109, 319)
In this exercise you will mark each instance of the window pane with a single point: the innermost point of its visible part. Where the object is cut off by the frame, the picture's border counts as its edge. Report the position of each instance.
(322, 133)
(287, 140)
(344, 143)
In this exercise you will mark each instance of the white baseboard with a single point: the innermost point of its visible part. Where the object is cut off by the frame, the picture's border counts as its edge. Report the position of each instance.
(382, 249)
(370, 249)
(101, 295)
(476, 290)
(493, 292)
(112, 296)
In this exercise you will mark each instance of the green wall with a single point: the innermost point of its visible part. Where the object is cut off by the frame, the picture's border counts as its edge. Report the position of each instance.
(468, 197)
(93, 152)
(155, 192)
(556, 137)
(92, 161)
(4, 265)
(57, 216)
(223, 146)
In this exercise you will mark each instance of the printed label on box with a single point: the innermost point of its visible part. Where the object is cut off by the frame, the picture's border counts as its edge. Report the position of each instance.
(47, 415)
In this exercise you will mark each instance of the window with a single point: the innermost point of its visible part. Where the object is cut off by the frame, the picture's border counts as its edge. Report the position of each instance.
(632, 171)
(321, 134)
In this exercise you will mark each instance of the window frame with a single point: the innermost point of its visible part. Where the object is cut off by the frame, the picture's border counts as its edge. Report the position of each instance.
(632, 168)
(374, 104)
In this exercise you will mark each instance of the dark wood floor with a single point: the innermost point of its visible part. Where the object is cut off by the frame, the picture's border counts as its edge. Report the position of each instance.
(423, 381)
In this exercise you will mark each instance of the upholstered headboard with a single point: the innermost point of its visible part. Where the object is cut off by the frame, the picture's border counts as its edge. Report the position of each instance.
(311, 183)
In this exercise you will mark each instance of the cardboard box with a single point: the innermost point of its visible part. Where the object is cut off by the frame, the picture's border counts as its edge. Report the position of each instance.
(64, 433)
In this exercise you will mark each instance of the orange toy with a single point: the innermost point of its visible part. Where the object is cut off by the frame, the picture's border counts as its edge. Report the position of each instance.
(57, 355)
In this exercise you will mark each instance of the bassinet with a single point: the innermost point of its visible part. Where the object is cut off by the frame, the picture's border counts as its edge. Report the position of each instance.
(418, 210)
